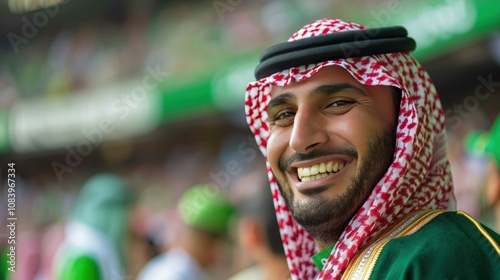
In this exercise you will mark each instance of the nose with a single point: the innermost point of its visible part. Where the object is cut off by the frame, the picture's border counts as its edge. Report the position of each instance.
(308, 132)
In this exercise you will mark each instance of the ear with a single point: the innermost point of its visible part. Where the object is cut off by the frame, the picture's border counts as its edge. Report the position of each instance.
(493, 185)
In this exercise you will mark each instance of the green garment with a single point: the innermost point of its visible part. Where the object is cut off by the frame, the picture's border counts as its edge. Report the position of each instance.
(321, 258)
(449, 246)
(96, 233)
(81, 268)
(103, 204)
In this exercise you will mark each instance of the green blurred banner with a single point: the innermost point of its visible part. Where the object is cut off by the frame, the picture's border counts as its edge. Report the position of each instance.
(438, 26)
(83, 120)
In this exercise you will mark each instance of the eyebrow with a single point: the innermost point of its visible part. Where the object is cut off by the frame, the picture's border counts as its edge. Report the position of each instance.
(280, 100)
(326, 89)
(334, 88)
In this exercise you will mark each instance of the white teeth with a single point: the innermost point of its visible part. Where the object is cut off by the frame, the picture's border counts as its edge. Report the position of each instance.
(329, 166)
(335, 167)
(322, 167)
(319, 171)
(306, 171)
(314, 169)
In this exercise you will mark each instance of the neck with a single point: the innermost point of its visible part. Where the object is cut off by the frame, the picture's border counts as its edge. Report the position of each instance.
(199, 245)
(323, 245)
(191, 251)
(275, 267)
(497, 215)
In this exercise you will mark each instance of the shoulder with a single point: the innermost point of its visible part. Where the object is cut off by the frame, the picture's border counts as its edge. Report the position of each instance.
(254, 272)
(454, 231)
(450, 246)
(174, 264)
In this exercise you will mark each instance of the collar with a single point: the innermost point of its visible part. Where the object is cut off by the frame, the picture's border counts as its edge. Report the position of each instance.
(321, 258)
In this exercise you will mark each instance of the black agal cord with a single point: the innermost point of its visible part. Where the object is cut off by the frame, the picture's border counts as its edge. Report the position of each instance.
(354, 43)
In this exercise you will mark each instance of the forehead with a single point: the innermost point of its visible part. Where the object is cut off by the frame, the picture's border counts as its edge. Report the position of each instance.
(330, 75)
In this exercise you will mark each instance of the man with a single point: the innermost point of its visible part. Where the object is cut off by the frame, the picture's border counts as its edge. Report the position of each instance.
(259, 238)
(95, 237)
(206, 215)
(354, 137)
(488, 144)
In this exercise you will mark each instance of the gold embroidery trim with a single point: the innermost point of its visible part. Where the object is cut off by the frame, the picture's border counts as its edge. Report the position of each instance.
(483, 231)
(370, 254)
(355, 262)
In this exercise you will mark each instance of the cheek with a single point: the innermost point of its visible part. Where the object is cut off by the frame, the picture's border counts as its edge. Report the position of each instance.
(277, 144)
(351, 127)
(357, 129)
(388, 113)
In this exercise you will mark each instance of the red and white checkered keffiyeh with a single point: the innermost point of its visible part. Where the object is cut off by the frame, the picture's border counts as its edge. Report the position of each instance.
(419, 176)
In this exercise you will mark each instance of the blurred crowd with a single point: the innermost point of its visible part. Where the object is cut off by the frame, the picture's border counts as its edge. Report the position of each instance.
(123, 226)
(182, 38)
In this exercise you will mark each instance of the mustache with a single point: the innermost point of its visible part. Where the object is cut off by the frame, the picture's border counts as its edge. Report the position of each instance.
(347, 151)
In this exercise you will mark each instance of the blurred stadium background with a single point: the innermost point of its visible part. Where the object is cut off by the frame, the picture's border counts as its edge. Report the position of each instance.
(153, 90)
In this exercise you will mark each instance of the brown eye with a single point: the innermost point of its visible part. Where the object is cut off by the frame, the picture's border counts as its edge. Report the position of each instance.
(339, 103)
(283, 118)
(283, 115)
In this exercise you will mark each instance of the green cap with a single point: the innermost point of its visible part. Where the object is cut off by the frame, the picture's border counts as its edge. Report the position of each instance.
(205, 208)
(485, 143)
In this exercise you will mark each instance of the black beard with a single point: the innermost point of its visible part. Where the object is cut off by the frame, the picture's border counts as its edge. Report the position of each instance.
(325, 218)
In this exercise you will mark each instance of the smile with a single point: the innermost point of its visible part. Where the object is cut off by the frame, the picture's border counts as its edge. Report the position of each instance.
(318, 171)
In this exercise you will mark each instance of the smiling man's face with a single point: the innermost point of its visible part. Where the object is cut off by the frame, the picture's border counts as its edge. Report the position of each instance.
(331, 140)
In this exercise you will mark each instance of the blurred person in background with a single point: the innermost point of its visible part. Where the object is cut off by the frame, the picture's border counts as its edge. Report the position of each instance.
(354, 137)
(143, 244)
(96, 235)
(259, 237)
(488, 144)
(34, 217)
(205, 214)
(51, 238)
